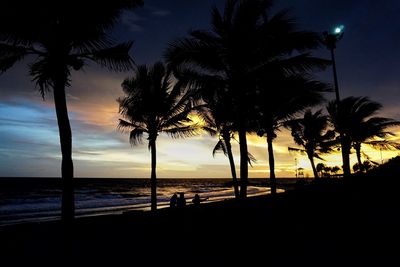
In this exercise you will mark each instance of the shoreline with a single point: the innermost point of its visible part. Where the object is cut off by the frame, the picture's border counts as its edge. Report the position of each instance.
(334, 223)
(42, 203)
(112, 210)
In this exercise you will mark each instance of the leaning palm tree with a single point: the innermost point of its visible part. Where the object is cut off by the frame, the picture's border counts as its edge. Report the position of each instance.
(225, 135)
(356, 118)
(152, 105)
(216, 124)
(59, 37)
(288, 96)
(310, 132)
(236, 52)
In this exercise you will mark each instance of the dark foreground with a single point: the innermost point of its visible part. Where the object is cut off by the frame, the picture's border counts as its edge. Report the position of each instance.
(330, 223)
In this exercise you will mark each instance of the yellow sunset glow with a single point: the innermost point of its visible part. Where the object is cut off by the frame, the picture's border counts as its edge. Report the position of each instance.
(190, 157)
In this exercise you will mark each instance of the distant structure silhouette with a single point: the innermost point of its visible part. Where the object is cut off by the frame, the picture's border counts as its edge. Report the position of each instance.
(173, 201)
(181, 200)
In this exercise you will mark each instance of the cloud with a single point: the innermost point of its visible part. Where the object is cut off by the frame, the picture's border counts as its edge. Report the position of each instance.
(161, 13)
(136, 21)
(132, 21)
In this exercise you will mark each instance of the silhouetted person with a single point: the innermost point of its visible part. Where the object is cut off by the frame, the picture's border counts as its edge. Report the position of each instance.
(196, 200)
(181, 200)
(173, 201)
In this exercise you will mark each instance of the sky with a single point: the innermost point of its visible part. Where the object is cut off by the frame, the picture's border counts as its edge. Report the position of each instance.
(368, 63)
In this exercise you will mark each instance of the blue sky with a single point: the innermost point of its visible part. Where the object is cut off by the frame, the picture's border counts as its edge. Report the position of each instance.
(368, 61)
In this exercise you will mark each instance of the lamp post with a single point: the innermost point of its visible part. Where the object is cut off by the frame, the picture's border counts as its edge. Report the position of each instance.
(330, 39)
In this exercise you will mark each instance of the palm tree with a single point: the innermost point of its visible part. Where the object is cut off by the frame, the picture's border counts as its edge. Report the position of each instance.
(310, 132)
(234, 54)
(217, 124)
(288, 96)
(335, 169)
(354, 117)
(59, 37)
(152, 105)
(226, 134)
(320, 168)
(224, 145)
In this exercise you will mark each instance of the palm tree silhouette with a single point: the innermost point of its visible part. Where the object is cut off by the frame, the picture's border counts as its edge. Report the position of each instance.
(236, 52)
(320, 169)
(310, 132)
(62, 36)
(217, 116)
(152, 105)
(288, 95)
(359, 125)
(217, 124)
(225, 134)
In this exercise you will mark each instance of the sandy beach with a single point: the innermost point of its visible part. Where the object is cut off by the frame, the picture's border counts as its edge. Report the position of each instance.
(329, 223)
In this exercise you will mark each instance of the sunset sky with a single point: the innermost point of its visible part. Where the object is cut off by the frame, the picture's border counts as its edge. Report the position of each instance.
(368, 62)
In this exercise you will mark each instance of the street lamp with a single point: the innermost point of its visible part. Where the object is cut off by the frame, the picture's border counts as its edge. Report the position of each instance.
(330, 40)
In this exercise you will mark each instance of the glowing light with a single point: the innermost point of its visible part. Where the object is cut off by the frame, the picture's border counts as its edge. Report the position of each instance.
(338, 30)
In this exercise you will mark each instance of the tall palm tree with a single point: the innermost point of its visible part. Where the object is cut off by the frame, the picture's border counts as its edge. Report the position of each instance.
(218, 120)
(287, 96)
(59, 37)
(224, 145)
(310, 132)
(225, 135)
(235, 52)
(356, 118)
(152, 105)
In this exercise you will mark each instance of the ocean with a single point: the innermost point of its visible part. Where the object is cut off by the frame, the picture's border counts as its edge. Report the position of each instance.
(39, 199)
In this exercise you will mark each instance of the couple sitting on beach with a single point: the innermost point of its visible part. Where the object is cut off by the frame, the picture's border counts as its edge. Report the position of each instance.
(181, 201)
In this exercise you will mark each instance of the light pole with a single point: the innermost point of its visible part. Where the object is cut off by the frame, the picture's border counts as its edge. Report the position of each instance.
(330, 39)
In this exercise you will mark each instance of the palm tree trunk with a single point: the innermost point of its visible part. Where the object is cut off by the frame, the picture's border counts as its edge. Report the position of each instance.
(345, 155)
(244, 168)
(67, 168)
(346, 146)
(311, 158)
(153, 180)
(232, 165)
(271, 159)
(358, 153)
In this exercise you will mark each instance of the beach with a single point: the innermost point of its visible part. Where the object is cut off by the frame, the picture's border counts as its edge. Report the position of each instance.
(332, 223)
(39, 199)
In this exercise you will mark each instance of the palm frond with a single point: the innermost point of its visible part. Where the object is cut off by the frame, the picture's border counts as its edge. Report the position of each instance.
(43, 74)
(297, 150)
(303, 63)
(136, 136)
(193, 51)
(114, 58)
(9, 55)
(210, 130)
(251, 159)
(182, 132)
(384, 144)
(220, 146)
(124, 125)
